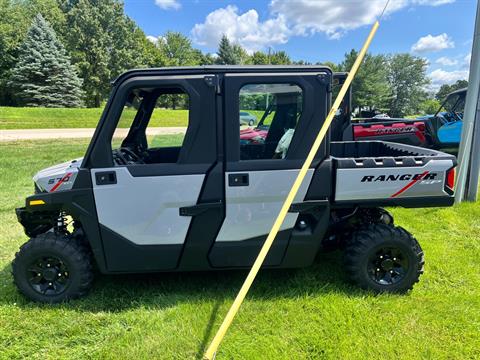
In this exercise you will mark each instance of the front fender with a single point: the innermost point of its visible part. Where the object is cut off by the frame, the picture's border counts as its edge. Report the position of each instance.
(35, 223)
(41, 211)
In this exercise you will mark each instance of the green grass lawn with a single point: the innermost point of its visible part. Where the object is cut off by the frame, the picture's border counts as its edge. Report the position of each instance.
(311, 313)
(54, 118)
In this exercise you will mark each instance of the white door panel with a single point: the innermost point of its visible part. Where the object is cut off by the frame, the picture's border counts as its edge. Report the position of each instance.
(145, 210)
(251, 210)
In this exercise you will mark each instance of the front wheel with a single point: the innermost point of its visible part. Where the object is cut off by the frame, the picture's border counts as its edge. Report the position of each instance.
(251, 123)
(384, 258)
(52, 268)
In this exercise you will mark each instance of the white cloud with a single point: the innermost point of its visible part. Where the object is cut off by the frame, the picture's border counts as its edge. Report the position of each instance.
(439, 77)
(446, 61)
(153, 39)
(433, 2)
(334, 17)
(244, 29)
(295, 17)
(466, 60)
(432, 43)
(156, 39)
(168, 4)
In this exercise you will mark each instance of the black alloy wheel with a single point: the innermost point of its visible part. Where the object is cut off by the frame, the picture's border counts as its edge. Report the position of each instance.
(388, 265)
(383, 258)
(53, 268)
(48, 275)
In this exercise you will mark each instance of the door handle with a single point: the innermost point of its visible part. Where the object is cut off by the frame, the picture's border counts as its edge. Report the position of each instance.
(106, 178)
(238, 180)
(198, 209)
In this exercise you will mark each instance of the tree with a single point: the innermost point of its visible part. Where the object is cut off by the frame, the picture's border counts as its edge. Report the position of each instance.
(407, 77)
(370, 86)
(103, 43)
(280, 58)
(44, 75)
(331, 65)
(88, 42)
(240, 54)
(429, 106)
(446, 89)
(227, 55)
(15, 20)
(177, 50)
(203, 59)
(259, 58)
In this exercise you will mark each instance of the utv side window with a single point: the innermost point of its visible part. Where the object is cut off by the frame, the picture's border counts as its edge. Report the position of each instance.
(268, 116)
(140, 135)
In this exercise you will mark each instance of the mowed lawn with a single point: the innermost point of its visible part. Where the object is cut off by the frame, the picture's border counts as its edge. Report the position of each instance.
(311, 313)
(55, 118)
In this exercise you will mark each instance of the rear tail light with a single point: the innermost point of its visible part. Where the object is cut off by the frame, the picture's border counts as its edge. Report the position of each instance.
(420, 126)
(451, 179)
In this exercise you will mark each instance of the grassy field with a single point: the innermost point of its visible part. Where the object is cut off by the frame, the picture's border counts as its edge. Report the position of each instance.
(52, 118)
(311, 313)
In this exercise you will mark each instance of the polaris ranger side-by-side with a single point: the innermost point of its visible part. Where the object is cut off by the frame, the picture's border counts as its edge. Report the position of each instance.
(206, 200)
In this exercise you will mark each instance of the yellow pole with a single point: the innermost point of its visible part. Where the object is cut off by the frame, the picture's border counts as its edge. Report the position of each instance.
(211, 351)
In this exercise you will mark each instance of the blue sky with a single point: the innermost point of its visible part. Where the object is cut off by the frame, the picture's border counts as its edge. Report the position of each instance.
(322, 30)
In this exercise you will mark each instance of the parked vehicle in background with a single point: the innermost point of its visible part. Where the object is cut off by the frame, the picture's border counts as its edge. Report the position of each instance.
(447, 123)
(382, 116)
(247, 119)
(344, 128)
(441, 131)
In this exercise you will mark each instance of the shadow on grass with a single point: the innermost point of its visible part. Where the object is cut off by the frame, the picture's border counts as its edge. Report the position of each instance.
(163, 290)
(114, 293)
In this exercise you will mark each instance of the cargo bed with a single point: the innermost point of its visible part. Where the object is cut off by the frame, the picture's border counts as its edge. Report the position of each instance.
(392, 174)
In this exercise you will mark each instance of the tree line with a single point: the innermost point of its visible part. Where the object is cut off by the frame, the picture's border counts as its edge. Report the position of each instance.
(65, 53)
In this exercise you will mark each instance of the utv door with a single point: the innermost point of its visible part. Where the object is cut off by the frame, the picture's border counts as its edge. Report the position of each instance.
(147, 197)
(262, 162)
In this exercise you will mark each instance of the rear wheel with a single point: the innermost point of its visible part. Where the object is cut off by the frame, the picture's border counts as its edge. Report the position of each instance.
(384, 258)
(251, 123)
(53, 268)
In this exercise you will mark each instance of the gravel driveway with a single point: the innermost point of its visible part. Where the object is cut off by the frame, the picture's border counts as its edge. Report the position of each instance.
(36, 134)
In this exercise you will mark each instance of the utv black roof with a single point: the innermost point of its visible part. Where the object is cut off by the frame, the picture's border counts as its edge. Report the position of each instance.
(216, 69)
(459, 91)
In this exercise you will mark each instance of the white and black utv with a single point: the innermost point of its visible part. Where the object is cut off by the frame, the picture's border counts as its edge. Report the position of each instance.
(206, 200)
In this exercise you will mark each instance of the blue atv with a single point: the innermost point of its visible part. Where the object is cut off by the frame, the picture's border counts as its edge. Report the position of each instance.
(444, 129)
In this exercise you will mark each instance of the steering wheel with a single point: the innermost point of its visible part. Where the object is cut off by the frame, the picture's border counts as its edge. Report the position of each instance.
(132, 155)
(459, 115)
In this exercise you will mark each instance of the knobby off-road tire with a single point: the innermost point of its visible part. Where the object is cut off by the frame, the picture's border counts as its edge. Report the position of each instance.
(53, 268)
(384, 258)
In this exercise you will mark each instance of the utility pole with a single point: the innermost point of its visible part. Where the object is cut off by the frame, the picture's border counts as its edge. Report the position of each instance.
(469, 150)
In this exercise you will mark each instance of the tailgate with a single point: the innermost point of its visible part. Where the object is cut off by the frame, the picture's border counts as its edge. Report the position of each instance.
(382, 173)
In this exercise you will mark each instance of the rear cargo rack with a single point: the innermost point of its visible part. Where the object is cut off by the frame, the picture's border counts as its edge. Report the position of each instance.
(377, 172)
(373, 154)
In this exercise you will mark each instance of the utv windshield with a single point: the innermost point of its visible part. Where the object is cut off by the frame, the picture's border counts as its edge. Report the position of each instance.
(453, 105)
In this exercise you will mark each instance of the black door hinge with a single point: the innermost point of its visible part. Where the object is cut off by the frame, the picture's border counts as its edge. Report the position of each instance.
(214, 81)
